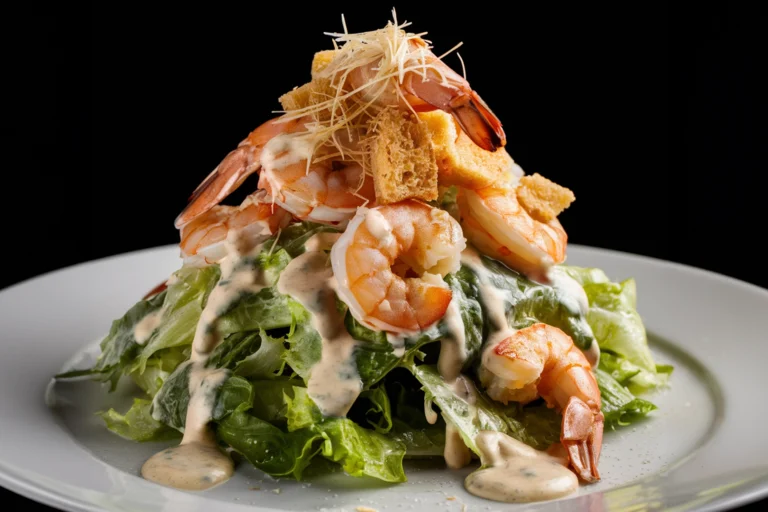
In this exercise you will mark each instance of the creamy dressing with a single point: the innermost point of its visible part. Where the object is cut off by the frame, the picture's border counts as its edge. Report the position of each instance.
(284, 150)
(198, 463)
(453, 346)
(514, 472)
(397, 341)
(494, 300)
(334, 383)
(572, 295)
(144, 328)
(238, 276)
(321, 242)
(379, 227)
(456, 453)
(429, 412)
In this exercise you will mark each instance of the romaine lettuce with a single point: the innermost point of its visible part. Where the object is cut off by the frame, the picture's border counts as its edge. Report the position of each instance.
(137, 424)
(618, 327)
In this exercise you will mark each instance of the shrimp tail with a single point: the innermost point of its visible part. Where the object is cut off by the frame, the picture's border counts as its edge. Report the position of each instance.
(156, 290)
(478, 121)
(582, 437)
(224, 180)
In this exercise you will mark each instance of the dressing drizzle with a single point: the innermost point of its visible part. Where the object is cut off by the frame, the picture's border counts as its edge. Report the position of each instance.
(198, 463)
(334, 383)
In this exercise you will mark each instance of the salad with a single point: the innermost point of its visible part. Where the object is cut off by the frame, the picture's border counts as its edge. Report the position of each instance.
(393, 289)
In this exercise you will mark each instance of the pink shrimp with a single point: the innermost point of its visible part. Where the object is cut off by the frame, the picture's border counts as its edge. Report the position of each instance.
(234, 169)
(542, 360)
(497, 224)
(326, 192)
(427, 83)
(389, 265)
(203, 239)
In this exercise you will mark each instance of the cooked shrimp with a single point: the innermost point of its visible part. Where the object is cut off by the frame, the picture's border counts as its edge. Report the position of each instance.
(542, 360)
(256, 219)
(234, 169)
(392, 67)
(495, 222)
(326, 192)
(389, 262)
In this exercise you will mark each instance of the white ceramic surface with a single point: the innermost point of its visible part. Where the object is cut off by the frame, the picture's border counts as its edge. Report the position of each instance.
(702, 450)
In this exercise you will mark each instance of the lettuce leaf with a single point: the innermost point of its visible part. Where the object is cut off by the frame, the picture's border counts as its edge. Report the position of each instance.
(268, 400)
(538, 427)
(170, 403)
(119, 347)
(361, 452)
(251, 355)
(619, 405)
(419, 442)
(158, 368)
(137, 424)
(378, 411)
(618, 327)
(531, 302)
(267, 447)
(186, 297)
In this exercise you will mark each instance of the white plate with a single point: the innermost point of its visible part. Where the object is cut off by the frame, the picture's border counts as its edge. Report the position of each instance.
(704, 449)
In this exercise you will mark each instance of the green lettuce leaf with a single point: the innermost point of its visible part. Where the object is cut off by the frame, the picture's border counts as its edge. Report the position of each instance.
(267, 447)
(268, 400)
(137, 424)
(119, 348)
(186, 297)
(538, 427)
(361, 452)
(419, 442)
(293, 238)
(170, 403)
(158, 368)
(530, 302)
(378, 411)
(620, 407)
(618, 327)
(251, 355)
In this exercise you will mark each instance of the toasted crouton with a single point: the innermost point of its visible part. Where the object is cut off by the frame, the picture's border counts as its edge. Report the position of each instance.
(460, 161)
(402, 159)
(312, 93)
(321, 61)
(542, 198)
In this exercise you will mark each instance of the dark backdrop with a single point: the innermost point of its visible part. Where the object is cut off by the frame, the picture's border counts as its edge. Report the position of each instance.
(656, 119)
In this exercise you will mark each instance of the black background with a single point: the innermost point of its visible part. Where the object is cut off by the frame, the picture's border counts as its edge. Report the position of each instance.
(656, 119)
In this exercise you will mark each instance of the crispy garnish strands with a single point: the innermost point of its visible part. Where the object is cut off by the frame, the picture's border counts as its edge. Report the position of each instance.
(393, 52)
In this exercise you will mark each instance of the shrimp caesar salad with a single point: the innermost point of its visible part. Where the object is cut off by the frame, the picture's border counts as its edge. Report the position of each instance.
(394, 288)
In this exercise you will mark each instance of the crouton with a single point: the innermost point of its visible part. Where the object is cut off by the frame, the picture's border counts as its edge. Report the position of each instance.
(402, 160)
(312, 93)
(321, 61)
(542, 198)
(459, 160)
